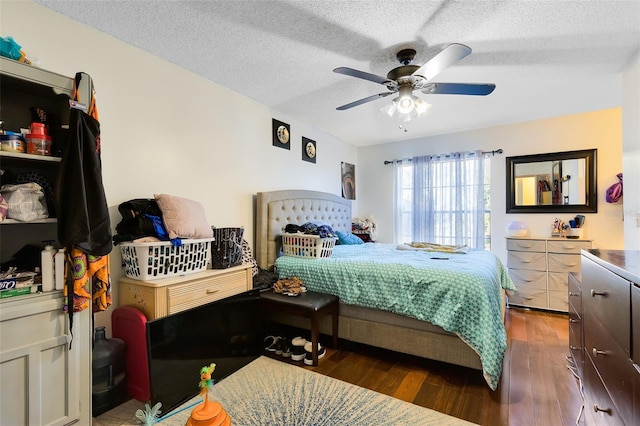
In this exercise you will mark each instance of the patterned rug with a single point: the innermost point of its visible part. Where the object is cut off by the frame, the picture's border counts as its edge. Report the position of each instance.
(270, 392)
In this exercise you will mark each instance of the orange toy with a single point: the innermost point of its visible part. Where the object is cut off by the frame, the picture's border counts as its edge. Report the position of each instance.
(208, 413)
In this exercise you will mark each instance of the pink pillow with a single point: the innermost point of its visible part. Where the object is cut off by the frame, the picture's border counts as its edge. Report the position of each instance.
(183, 218)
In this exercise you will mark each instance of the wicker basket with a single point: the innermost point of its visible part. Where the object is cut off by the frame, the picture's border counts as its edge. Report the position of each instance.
(303, 245)
(152, 261)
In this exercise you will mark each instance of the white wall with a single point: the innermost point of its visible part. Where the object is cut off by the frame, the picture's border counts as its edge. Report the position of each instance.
(598, 129)
(167, 130)
(631, 153)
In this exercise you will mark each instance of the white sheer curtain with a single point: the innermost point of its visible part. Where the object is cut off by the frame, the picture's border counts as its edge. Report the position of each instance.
(441, 199)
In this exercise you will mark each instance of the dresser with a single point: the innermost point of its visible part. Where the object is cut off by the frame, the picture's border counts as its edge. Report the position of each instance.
(611, 329)
(167, 296)
(539, 269)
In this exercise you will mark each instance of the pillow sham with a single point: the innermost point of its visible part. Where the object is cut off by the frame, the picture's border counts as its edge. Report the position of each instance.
(348, 238)
(183, 218)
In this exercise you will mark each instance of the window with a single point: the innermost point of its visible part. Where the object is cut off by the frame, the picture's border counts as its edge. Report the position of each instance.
(444, 199)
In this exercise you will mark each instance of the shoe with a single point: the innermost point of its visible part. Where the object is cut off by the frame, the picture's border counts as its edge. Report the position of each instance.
(287, 349)
(297, 350)
(271, 342)
(281, 345)
(308, 358)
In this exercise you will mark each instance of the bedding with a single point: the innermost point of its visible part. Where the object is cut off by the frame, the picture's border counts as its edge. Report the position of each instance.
(370, 326)
(461, 293)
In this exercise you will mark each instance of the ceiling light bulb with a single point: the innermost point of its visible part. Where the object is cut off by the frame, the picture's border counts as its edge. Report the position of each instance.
(405, 104)
(405, 100)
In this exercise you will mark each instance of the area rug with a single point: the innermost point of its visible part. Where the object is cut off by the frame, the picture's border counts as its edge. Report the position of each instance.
(270, 392)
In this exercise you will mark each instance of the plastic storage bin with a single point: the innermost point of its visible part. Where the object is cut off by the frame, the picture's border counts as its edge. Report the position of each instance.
(303, 245)
(152, 261)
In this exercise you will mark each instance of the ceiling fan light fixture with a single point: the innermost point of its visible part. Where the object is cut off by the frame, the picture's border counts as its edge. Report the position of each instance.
(393, 110)
(406, 101)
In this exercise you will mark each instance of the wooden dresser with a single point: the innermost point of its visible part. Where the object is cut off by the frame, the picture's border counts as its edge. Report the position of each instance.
(611, 329)
(539, 268)
(167, 296)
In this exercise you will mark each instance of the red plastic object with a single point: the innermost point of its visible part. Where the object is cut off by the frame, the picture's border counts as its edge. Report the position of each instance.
(130, 325)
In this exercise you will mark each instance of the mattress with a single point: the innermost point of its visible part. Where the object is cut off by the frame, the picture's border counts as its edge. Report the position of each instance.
(460, 293)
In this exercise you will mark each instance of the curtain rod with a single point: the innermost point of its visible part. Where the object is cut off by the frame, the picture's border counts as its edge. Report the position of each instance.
(497, 151)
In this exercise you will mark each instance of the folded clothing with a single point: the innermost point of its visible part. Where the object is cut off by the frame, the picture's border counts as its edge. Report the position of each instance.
(443, 248)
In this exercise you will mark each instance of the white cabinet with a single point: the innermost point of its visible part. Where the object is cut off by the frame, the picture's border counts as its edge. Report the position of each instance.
(43, 381)
(539, 268)
(41, 378)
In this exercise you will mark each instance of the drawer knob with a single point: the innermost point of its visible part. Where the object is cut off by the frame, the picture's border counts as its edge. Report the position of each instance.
(573, 321)
(212, 290)
(604, 410)
(573, 294)
(596, 352)
(598, 293)
(574, 348)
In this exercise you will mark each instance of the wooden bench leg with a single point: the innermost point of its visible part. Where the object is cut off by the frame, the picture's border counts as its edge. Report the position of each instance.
(315, 325)
(334, 317)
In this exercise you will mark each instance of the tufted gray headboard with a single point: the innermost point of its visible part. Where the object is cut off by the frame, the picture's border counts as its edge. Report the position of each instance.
(276, 209)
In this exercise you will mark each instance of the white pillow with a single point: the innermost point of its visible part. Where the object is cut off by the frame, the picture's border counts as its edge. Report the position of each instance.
(183, 218)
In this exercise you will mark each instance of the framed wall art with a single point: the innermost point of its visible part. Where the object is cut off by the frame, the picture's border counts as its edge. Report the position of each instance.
(348, 179)
(281, 134)
(309, 150)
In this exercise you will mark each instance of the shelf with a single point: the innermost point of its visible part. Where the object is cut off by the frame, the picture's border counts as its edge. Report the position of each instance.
(33, 157)
(31, 222)
(59, 83)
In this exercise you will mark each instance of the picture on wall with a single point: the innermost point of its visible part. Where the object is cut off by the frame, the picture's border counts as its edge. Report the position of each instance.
(308, 150)
(280, 134)
(348, 179)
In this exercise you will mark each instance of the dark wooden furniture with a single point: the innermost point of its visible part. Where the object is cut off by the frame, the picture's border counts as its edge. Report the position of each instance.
(610, 284)
(310, 305)
(576, 339)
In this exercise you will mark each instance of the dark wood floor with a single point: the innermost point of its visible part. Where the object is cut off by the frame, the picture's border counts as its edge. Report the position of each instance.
(537, 385)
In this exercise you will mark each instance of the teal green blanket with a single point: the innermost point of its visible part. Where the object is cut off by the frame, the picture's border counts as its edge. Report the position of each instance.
(458, 292)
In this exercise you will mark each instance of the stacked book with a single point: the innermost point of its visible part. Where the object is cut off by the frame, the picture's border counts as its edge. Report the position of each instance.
(17, 284)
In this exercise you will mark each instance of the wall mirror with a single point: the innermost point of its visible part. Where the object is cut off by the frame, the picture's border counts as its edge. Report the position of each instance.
(552, 183)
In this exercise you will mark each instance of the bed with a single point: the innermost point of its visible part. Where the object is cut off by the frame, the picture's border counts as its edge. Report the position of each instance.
(371, 321)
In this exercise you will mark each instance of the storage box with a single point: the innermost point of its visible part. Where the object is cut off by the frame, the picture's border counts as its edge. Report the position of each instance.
(226, 250)
(18, 284)
(152, 261)
(304, 245)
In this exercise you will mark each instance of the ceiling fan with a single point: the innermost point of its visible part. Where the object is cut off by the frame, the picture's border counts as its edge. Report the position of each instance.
(407, 78)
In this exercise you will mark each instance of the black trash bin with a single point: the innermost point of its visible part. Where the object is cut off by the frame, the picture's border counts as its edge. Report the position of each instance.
(226, 250)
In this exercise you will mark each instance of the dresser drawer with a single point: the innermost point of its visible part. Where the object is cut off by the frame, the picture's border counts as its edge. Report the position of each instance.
(576, 344)
(564, 262)
(612, 364)
(532, 297)
(528, 278)
(606, 299)
(526, 245)
(558, 281)
(567, 246)
(527, 260)
(189, 295)
(599, 408)
(575, 294)
(558, 300)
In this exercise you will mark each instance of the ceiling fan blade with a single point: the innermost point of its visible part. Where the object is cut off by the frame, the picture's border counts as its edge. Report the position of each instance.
(364, 100)
(361, 74)
(459, 89)
(449, 56)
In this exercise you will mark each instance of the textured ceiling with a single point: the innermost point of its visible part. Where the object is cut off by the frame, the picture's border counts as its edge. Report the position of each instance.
(547, 58)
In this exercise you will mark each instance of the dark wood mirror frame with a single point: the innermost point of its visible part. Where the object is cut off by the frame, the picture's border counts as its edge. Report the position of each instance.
(591, 203)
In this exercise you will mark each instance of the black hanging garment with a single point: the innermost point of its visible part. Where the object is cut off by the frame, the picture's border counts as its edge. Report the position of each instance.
(83, 216)
(84, 228)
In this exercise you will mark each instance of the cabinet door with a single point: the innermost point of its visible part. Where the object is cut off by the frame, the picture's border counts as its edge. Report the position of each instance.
(36, 364)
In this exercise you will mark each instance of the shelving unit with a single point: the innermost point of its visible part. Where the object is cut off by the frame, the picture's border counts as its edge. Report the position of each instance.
(43, 380)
